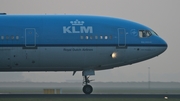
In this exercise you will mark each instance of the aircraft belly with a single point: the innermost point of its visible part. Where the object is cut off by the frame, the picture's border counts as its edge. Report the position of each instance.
(72, 58)
(62, 58)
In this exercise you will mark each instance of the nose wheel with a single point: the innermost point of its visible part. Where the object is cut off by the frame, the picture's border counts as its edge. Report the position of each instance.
(87, 89)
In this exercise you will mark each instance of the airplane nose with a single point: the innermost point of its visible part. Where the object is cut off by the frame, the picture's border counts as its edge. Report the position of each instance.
(166, 45)
(163, 44)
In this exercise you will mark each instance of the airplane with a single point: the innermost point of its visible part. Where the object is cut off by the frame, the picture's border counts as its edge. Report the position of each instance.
(86, 43)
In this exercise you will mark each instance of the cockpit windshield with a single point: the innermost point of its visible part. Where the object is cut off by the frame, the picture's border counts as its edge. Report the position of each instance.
(153, 32)
(144, 33)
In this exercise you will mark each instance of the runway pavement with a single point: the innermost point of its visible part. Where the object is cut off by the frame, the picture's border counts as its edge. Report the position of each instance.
(89, 96)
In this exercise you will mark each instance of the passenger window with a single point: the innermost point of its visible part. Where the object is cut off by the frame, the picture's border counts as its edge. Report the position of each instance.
(91, 37)
(96, 37)
(81, 37)
(87, 37)
(2, 37)
(105, 37)
(144, 33)
(7, 37)
(12, 37)
(101, 37)
(110, 37)
(17, 37)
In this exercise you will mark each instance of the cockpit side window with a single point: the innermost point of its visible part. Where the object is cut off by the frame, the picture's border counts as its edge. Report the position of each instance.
(144, 33)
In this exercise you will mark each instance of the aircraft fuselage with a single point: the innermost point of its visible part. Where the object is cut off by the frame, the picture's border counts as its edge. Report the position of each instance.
(73, 43)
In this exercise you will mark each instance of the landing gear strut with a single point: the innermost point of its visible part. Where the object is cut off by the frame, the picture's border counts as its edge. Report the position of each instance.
(87, 89)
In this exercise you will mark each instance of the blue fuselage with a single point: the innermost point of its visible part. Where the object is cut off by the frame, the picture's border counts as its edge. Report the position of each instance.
(73, 42)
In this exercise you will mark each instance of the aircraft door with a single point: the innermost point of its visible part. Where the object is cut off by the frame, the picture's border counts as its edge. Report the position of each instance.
(121, 37)
(30, 37)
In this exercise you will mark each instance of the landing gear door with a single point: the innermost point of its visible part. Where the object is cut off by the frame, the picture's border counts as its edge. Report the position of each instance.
(121, 37)
(30, 37)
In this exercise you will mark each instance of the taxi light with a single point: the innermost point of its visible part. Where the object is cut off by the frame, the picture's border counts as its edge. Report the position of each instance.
(114, 55)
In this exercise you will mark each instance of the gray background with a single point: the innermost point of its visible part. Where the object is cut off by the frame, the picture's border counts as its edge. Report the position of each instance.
(161, 15)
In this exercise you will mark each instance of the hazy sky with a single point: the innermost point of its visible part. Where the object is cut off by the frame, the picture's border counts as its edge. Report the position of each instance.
(163, 16)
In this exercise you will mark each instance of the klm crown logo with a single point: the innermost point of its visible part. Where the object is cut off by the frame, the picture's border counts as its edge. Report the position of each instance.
(77, 27)
(77, 22)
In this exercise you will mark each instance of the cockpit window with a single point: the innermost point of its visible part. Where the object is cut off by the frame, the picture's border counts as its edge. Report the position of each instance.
(153, 32)
(144, 33)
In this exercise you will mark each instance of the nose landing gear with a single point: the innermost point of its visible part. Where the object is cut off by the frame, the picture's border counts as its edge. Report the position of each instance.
(87, 89)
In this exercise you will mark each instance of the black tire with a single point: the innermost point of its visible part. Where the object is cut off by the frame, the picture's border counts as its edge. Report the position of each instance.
(87, 89)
